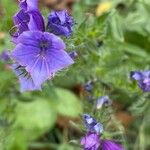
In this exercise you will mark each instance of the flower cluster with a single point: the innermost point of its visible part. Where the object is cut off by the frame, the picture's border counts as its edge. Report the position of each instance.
(93, 139)
(39, 53)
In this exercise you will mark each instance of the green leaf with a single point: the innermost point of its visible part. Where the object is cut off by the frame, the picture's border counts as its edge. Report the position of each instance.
(34, 118)
(16, 140)
(115, 27)
(67, 103)
(66, 147)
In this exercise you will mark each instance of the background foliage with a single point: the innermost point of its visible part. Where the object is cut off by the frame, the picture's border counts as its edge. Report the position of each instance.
(111, 39)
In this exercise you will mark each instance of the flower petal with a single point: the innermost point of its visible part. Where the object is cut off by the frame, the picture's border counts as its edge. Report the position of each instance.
(26, 82)
(21, 20)
(30, 38)
(36, 21)
(57, 43)
(25, 55)
(91, 141)
(136, 75)
(111, 145)
(29, 4)
(43, 69)
(40, 71)
(58, 60)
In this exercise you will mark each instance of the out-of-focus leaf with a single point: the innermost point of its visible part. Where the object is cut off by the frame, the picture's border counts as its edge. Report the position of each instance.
(16, 141)
(7, 21)
(66, 147)
(35, 117)
(67, 103)
(115, 26)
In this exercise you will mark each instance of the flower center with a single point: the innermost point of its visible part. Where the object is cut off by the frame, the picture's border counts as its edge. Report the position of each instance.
(44, 45)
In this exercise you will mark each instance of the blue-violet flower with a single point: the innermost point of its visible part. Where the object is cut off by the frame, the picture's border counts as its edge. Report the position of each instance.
(143, 78)
(42, 54)
(92, 125)
(103, 101)
(91, 141)
(28, 18)
(5, 56)
(60, 23)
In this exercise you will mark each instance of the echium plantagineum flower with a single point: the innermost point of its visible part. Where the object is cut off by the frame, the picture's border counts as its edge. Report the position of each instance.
(93, 139)
(73, 54)
(91, 124)
(60, 23)
(28, 17)
(103, 101)
(88, 86)
(40, 53)
(143, 78)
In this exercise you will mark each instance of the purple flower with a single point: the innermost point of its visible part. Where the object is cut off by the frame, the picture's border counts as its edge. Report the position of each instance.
(21, 20)
(91, 141)
(42, 54)
(143, 79)
(28, 18)
(73, 54)
(110, 145)
(88, 86)
(5, 56)
(26, 82)
(36, 21)
(92, 125)
(104, 100)
(60, 23)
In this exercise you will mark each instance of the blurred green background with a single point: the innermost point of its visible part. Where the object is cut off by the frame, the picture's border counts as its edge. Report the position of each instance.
(111, 38)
